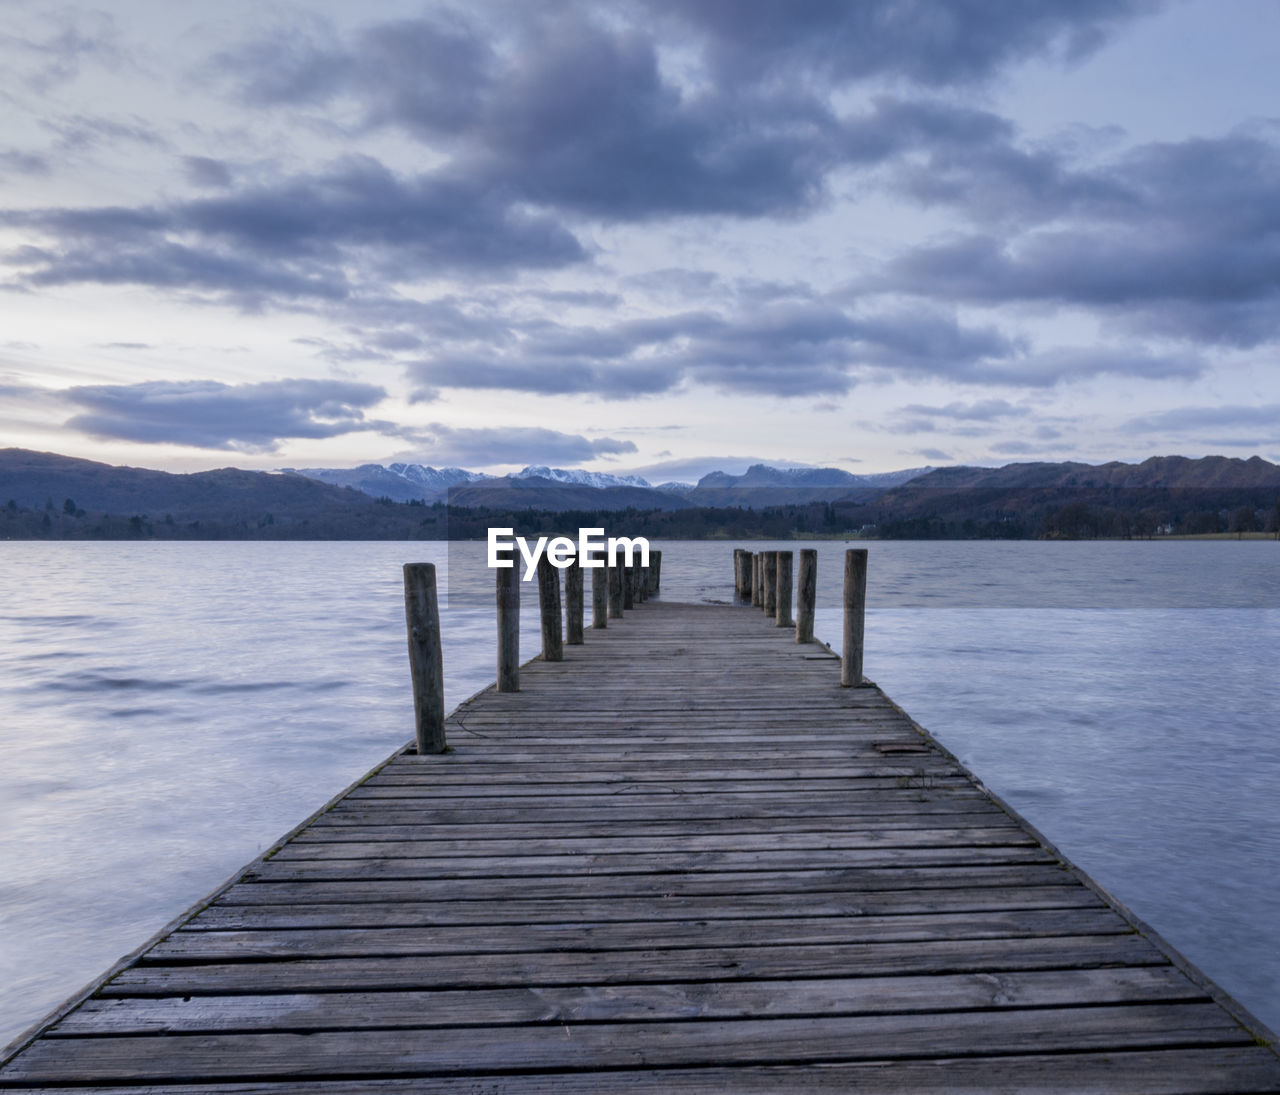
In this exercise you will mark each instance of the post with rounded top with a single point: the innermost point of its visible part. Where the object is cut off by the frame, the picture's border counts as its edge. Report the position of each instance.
(549, 603)
(599, 596)
(855, 608)
(509, 628)
(782, 613)
(806, 594)
(770, 584)
(616, 592)
(574, 590)
(426, 660)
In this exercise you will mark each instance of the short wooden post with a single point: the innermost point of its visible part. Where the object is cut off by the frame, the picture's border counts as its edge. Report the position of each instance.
(782, 615)
(509, 628)
(616, 593)
(599, 597)
(642, 583)
(426, 661)
(757, 579)
(855, 607)
(573, 595)
(549, 603)
(806, 594)
(655, 570)
(628, 587)
(770, 584)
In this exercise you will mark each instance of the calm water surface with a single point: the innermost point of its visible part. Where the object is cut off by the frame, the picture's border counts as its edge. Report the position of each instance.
(168, 710)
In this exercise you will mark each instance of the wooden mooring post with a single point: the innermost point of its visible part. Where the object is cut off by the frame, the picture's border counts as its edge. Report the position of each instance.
(628, 587)
(509, 628)
(769, 584)
(549, 604)
(855, 607)
(655, 570)
(782, 609)
(806, 594)
(757, 579)
(617, 590)
(599, 596)
(426, 661)
(573, 606)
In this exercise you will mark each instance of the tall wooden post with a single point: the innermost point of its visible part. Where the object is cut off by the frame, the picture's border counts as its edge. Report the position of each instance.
(616, 592)
(770, 585)
(757, 579)
(737, 574)
(782, 614)
(655, 570)
(855, 607)
(426, 660)
(599, 597)
(628, 587)
(642, 583)
(509, 628)
(573, 594)
(549, 603)
(806, 595)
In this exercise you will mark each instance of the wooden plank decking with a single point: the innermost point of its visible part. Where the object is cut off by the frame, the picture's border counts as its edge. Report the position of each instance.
(682, 860)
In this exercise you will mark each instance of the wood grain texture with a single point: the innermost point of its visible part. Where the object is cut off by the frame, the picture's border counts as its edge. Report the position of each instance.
(684, 859)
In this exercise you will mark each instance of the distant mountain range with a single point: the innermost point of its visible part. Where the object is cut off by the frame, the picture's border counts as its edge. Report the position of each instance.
(561, 488)
(51, 496)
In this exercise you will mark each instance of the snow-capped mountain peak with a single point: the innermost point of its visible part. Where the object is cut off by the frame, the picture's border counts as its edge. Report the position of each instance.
(578, 477)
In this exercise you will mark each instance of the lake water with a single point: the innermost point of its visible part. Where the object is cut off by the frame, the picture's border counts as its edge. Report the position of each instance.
(167, 710)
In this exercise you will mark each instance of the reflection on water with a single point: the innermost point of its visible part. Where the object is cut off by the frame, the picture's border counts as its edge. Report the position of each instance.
(168, 709)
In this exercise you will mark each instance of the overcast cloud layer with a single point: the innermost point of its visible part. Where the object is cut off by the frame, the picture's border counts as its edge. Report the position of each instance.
(501, 233)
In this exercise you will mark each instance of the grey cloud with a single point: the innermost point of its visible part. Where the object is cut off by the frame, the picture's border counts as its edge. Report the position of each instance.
(56, 57)
(983, 410)
(930, 42)
(1027, 448)
(1068, 364)
(1194, 419)
(294, 239)
(932, 454)
(211, 415)
(207, 172)
(18, 162)
(442, 444)
(788, 347)
(1178, 239)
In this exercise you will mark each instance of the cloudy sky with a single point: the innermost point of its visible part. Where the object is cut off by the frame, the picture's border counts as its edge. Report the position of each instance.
(654, 235)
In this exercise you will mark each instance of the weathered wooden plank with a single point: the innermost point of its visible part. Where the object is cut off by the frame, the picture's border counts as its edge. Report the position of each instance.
(228, 946)
(484, 843)
(516, 909)
(640, 1002)
(1211, 1071)
(592, 827)
(653, 884)
(664, 805)
(611, 967)
(894, 778)
(638, 863)
(335, 1054)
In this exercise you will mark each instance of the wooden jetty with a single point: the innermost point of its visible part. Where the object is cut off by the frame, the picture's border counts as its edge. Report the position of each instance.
(682, 859)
